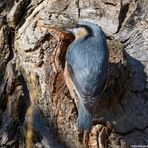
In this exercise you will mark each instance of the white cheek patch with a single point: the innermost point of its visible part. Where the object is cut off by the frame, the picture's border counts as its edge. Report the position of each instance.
(75, 31)
(80, 32)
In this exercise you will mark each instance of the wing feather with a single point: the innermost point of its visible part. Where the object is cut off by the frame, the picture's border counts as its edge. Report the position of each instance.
(87, 63)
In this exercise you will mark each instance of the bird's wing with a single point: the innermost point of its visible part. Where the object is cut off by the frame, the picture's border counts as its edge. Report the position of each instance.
(87, 66)
(89, 90)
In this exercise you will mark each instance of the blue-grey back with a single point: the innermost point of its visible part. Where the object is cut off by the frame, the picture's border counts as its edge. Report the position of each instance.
(87, 61)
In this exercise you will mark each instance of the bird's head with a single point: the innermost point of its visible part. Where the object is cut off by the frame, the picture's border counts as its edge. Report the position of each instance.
(84, 29)
(79, 31)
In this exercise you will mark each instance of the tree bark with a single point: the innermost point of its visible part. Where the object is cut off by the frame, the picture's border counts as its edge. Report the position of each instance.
(36, 109)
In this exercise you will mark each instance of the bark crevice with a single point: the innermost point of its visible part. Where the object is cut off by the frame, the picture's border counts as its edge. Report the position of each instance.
(33, 94)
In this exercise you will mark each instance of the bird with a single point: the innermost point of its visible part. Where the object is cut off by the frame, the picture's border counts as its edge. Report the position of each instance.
(86, 69)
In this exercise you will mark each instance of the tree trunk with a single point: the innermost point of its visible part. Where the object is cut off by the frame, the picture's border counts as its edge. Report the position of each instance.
(36, 109)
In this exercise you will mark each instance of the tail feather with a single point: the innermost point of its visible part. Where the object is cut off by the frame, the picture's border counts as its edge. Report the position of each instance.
(84, 121)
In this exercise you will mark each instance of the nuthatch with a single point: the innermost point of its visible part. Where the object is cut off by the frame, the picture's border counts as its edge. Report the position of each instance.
(86, 69)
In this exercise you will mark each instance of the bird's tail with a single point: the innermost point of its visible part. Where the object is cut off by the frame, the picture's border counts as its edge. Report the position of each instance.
(84, 121)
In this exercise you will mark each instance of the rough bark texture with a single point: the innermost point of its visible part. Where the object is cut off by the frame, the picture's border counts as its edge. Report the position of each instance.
(34, 101)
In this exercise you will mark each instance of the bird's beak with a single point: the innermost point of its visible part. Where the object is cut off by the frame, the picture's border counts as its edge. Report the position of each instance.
(69, 29)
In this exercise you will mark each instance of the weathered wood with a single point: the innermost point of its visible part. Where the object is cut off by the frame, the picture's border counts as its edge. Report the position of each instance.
(36, 109)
